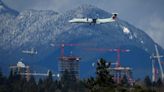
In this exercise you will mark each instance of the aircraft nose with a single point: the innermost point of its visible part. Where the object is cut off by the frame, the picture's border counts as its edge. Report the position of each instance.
(70, 21)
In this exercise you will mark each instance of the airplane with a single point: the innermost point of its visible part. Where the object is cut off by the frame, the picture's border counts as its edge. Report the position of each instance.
(94, 21)
(32, 51)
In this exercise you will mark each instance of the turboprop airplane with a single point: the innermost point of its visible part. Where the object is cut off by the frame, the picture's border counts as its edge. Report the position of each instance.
(94, 21)
(32, 51)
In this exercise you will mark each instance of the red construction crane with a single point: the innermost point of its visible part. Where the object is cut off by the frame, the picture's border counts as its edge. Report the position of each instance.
(118, 69)
(118, 55)
(99, 49)
(63, 45)
(110, 50)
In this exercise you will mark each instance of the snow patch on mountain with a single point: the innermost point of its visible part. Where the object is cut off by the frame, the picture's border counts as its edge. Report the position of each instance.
(131, 37)
(135, 35)
(142, 42)
(126, 30)
(1, 7)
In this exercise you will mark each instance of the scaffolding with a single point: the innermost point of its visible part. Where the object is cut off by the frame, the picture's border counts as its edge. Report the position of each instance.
(119, 72)
(69, 63)
(21, 68)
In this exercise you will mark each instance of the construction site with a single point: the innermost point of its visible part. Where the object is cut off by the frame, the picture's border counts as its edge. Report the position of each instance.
(71, 63)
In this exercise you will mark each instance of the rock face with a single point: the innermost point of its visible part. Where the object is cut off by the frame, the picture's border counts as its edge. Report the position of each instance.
(38, 29)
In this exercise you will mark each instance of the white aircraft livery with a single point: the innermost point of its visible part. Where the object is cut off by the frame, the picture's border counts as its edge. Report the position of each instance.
(94, 21)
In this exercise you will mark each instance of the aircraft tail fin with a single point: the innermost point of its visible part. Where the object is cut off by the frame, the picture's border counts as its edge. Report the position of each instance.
(114, 15)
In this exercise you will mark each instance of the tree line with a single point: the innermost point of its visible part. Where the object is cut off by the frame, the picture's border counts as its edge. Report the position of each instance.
(102, 82)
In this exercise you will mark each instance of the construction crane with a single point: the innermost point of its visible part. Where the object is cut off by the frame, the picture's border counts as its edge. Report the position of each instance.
(41, 74)
(117, 70)
(111, 50)
(154, 70)
(158, 57)
(118, 55)
(68, 58)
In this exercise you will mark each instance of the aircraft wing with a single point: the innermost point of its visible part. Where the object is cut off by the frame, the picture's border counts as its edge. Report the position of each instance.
(24, 51)
(78, 20)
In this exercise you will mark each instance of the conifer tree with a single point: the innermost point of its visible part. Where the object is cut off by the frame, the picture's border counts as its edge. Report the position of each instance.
(147, 81)
(68, 81)
(103, 76)
(1, 77)
(159, 83)
(3, 80)
(48, 82)
(40, 85)
(124, 81)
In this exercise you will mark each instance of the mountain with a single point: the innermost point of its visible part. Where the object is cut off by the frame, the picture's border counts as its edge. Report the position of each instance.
(5, 9)
(40, 28)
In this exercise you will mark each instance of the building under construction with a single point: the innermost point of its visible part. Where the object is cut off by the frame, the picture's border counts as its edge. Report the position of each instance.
(118, 71)
(69, 63)
(24, 71)
(21, 68)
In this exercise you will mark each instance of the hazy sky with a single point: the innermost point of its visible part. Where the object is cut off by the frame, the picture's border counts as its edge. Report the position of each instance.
(144, 14)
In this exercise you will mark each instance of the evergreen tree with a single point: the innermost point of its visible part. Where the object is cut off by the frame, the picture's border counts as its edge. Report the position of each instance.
(103, 76)
(65, 81)
(48, 82)
(1, 77)
(3, 80)
(40, 86)
(124, 81)
(103, 81)
(68, 81)
(29, 86)
(16, 83)
(33, 84)
(159, 83)
(90, 84)
(147, 82)
(49, 78)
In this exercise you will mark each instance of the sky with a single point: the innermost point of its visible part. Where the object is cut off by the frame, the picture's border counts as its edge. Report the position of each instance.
(147, 15)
